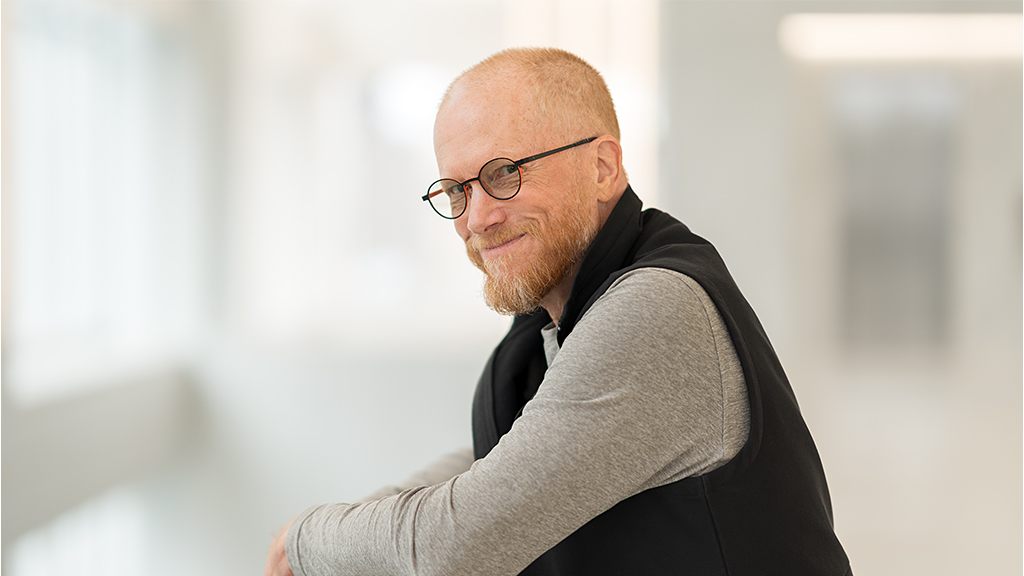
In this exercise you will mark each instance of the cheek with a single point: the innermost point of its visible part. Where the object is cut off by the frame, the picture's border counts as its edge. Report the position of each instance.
(460, 227)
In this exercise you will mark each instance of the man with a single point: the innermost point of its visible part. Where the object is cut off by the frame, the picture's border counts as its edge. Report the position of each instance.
(635, 419)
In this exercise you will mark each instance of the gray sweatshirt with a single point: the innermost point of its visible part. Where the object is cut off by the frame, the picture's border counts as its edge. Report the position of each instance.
(645, 391)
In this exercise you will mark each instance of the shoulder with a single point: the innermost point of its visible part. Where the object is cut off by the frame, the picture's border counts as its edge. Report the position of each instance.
(657, 290)
(658, 313)
(650, 315)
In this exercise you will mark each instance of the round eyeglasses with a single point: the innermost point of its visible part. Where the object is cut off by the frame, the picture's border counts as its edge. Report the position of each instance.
(500, 178)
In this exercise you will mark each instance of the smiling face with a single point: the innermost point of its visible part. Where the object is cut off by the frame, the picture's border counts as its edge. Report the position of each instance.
(529, 247)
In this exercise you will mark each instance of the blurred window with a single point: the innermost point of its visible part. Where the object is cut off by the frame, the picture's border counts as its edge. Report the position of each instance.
(905, 100)
(103, 267)
(895, 138)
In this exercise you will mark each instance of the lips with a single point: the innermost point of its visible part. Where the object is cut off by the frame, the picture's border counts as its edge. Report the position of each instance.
(496, 250)
(500, 240)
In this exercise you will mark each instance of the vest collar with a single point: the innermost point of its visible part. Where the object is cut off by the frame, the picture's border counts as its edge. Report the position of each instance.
(607, 253)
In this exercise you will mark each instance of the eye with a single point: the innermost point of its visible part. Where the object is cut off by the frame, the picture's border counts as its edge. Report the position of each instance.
(502, 174)
(457, 200)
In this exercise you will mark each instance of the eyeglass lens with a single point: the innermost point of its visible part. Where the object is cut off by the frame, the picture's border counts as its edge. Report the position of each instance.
(500, 178)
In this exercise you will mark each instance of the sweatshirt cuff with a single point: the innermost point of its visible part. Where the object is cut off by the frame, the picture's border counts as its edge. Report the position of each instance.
(292, 548)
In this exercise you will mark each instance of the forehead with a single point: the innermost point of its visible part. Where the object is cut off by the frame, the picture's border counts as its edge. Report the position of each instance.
(480, 121)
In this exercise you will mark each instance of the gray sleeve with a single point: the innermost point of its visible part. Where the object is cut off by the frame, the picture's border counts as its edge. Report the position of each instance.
(646, 390)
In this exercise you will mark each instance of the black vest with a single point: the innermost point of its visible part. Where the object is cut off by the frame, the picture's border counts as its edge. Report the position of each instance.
(767, 511)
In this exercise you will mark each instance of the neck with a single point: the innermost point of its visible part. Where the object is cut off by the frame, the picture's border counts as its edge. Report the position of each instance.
(554, 301)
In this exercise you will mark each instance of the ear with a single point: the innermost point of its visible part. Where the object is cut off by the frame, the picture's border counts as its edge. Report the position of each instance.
(609, 168)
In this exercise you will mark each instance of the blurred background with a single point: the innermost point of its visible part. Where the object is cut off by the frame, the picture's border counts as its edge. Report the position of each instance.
(223, 300)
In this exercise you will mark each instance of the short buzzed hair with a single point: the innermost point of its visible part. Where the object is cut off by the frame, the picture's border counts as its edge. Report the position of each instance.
(570, 95)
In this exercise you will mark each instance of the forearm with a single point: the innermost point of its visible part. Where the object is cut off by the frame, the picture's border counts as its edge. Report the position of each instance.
(494, 519)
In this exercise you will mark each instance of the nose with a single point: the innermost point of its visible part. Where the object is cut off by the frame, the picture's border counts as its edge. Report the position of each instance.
(483, 212)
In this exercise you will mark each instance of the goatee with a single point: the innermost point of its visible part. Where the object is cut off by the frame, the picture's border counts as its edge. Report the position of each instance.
(510, 291)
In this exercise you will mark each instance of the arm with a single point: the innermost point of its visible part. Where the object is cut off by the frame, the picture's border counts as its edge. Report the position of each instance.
(441, 470)
(635, 399)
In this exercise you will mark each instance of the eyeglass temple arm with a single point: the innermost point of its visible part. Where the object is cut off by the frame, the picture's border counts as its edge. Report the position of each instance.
(555, 151)
(426, 197)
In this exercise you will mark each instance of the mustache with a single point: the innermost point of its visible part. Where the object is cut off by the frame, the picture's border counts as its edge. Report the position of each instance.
(476, 243)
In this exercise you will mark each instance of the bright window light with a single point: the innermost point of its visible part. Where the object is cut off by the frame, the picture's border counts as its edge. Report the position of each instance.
(107, 198)
(901, 36)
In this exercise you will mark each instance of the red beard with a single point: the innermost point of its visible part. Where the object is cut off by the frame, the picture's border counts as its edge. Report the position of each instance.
(513, 287)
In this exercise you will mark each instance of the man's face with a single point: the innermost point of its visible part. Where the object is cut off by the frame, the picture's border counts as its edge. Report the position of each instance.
(531, 244)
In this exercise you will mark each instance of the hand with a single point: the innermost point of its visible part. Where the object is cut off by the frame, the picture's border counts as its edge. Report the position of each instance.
(277, 558)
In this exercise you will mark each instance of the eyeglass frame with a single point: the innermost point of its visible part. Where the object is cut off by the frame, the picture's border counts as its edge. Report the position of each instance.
(517, 163)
